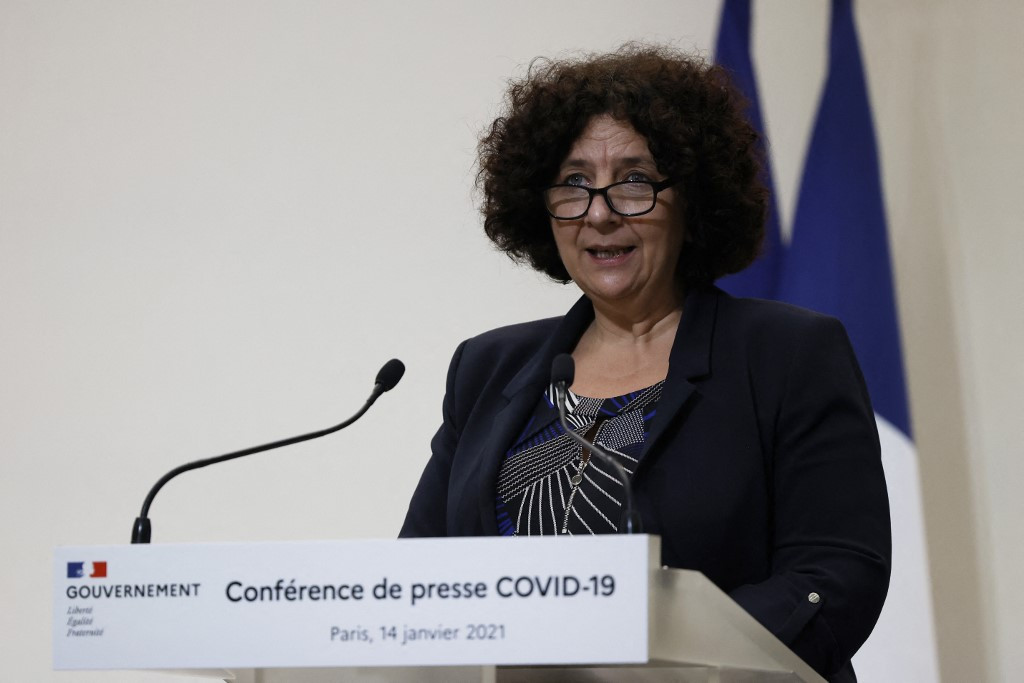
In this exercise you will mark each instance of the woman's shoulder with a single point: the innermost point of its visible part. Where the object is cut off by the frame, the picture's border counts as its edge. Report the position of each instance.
(488, 363)
(772, 319)
(775, 342)
(773, 334)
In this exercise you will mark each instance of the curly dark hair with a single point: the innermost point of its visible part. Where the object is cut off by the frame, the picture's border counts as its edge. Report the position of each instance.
(690, 114)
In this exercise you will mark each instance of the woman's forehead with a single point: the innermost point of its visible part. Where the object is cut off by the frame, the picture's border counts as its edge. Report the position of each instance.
(608, 140)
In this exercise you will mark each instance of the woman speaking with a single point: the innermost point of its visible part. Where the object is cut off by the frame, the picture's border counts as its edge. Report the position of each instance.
(744, 425)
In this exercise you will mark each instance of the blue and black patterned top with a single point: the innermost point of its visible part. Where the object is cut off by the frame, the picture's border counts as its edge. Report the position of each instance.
(536, 493)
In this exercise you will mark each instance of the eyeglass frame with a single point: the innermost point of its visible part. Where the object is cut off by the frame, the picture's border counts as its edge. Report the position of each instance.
(656, 185)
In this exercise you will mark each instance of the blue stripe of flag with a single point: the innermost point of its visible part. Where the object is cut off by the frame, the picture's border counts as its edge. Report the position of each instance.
(838, 259)
(732, 51)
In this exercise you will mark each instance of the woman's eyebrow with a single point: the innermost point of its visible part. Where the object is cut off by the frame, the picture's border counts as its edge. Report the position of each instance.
(575, 163)
(635, 161)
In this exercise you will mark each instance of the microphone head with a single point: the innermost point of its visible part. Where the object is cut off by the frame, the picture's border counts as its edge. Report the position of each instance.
(563, 369)
(390, 374)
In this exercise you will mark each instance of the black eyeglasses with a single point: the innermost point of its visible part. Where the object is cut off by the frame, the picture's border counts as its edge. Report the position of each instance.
(628, 198)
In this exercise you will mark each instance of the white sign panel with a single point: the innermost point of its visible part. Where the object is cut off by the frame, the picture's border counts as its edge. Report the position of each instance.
(457, 601)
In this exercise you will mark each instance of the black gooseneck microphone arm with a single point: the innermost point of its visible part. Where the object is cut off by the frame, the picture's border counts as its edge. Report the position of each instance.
(562, 372)
(387, 378)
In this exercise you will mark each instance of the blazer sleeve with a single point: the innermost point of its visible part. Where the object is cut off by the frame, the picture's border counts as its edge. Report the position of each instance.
(830, 511)
(428, 508)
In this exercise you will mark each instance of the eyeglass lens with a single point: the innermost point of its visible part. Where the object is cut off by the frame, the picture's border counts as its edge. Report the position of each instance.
(569, 201)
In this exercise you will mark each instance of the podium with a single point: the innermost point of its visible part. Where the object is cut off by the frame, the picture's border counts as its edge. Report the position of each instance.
(456, 609)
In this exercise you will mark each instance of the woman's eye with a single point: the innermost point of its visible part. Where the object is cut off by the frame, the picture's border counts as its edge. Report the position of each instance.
(575, 179)
(637, 177)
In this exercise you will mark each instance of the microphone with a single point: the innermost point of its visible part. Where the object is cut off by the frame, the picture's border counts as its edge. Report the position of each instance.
(387, 378)
(563, 369)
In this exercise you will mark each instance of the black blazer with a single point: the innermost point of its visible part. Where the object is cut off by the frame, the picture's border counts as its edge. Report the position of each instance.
(761, 468)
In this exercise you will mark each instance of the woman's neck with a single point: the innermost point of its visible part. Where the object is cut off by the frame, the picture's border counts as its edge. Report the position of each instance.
(623, 352)
(635, 325)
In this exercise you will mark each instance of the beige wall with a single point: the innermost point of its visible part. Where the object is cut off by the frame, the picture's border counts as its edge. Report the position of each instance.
(946, 80)
(195, 256)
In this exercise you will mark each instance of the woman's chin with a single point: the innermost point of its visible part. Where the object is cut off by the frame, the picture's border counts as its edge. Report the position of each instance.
(614, 291)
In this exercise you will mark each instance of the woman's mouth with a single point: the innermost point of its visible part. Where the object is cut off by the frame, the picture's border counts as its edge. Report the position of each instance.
(609, 253)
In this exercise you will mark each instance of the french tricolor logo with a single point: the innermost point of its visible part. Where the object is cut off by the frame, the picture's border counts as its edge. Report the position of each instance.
(77, 570)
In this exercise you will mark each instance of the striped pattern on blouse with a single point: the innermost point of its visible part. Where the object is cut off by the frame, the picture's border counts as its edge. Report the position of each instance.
(536, 494)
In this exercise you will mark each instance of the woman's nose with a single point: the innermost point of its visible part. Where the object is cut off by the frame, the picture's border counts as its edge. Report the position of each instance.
(601, 213)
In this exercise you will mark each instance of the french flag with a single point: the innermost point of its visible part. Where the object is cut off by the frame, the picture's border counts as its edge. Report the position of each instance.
(97, 570)
(837, 262)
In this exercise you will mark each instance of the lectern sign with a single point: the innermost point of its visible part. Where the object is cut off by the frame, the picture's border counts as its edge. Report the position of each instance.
(353, 603)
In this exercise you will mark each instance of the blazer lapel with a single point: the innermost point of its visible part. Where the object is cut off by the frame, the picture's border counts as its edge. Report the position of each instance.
(521, 396)
(690, 359)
